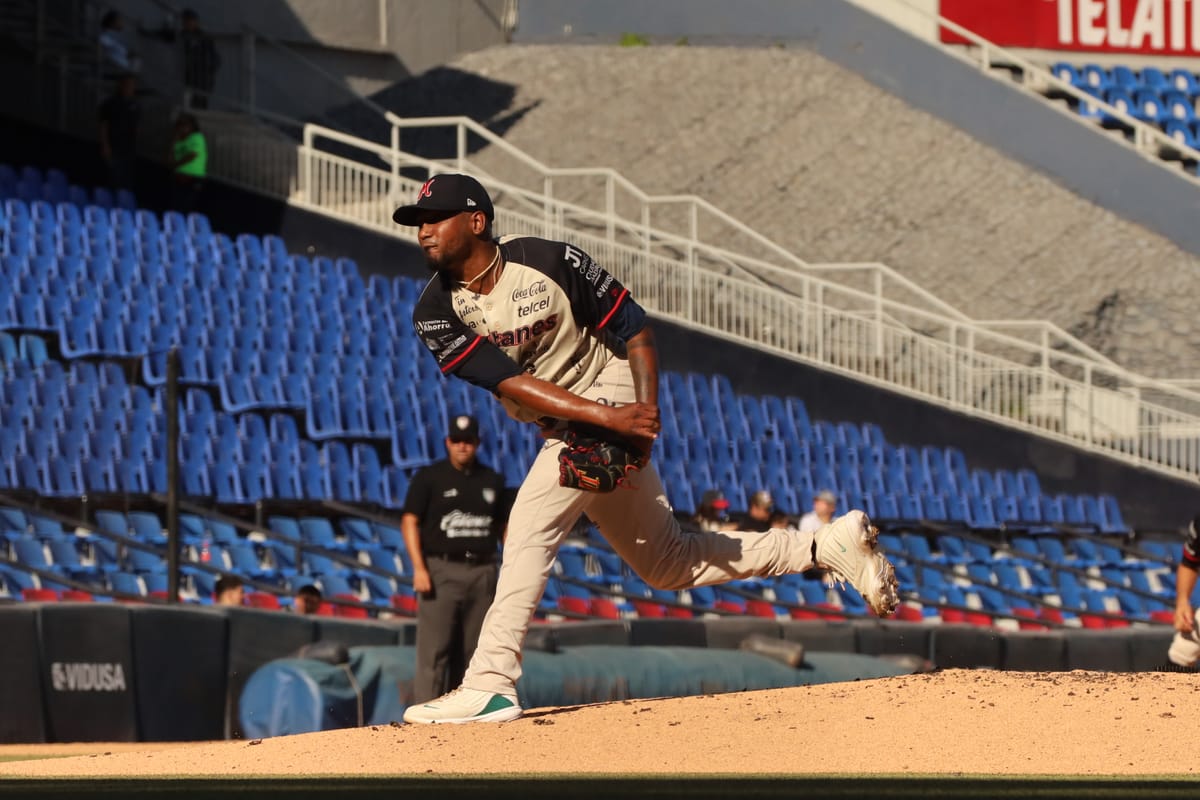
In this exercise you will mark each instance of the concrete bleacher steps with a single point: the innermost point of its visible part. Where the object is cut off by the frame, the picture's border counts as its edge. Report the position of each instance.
(835, 169)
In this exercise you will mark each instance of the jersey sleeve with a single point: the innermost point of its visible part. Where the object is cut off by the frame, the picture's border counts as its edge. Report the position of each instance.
(598, 300)
(1191, 545)
(458, 349)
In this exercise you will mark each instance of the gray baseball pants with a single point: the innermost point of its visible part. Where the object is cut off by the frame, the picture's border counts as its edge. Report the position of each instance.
(448, 623)
(636, 520)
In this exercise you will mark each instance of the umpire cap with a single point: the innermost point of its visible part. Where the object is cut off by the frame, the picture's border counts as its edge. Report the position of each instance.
(447, 193)
(463, 428)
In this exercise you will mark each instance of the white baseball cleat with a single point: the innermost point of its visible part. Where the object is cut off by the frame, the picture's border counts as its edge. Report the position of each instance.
(846, 548)
(465, 705)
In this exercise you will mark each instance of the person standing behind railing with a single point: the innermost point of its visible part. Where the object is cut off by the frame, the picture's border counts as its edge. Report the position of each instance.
(120, 116)
(200, 59)
(189, 164)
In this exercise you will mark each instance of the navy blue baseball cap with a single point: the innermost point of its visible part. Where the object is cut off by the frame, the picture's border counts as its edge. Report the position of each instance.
(447, 193)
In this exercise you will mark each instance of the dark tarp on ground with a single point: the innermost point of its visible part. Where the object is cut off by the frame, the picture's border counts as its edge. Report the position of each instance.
(302, 695)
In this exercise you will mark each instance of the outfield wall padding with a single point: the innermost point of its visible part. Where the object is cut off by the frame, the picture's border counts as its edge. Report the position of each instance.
(22, 718)
(88, 673)
(180, 656)
(182, 669)
(1034, 651)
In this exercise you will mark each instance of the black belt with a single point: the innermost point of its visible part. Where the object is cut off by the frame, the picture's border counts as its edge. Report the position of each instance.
(465, 558)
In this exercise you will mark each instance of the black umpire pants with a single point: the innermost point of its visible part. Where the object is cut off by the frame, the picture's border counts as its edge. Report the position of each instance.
(449, 619)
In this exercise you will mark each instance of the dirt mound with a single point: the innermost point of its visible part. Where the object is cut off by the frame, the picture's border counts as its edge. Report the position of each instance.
(1004, 723)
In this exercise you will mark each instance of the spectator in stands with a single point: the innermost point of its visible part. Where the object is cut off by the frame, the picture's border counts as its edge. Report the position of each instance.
(1185, 647)
(189, 164)
(758, 515)
(200, 59)
(308, 599)
(120, 115)
(114, 47)
(454, 516)
(713, 512)
(824, 505)
(229, 591)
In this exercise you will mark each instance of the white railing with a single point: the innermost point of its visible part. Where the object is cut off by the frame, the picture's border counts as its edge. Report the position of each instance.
(1147, 138)
(860, 320)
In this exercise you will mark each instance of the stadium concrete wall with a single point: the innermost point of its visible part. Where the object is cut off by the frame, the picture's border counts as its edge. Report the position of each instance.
(125, 672)
(895, 56)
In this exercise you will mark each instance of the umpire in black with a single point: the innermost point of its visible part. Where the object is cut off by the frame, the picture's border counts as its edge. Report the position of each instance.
(454, 517)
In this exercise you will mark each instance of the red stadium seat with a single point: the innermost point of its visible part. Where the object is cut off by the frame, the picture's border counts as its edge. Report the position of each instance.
(77, 596)
(262, 600)
(350, 612)
(39, 595)
(1026, 622)
(405, 604)
(605, 609)
(577, 605)
(907, 612)
(647, 609)
(760, 608)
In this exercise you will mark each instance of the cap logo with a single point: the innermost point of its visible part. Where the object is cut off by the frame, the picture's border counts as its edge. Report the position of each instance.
(426, 189)
(471, 202)
(462, 423)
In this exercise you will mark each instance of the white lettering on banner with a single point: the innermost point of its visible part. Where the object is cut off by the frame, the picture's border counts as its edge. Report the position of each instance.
(1090, 33)
(1155, 24)
(461, 525)
(1066, 22)
(84, 677)
(1148, 21)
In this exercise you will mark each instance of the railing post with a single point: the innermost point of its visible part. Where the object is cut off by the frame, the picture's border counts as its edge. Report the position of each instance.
(460, 144)
(394, 189)
(878, 312)
(548, 205)
(819, 307)
(1091, 403)
(306, 170)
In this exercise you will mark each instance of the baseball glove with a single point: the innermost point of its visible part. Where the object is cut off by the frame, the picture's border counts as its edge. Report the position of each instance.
(596, 460)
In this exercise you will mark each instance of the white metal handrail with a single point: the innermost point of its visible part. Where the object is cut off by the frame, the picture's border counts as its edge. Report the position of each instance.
(1018, 373)
(1145, 136)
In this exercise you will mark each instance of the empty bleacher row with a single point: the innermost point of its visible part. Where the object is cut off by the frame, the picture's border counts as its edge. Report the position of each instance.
(304, 382)
(1167, 99)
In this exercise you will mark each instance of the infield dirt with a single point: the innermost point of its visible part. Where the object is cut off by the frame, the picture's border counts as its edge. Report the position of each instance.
(956, 721)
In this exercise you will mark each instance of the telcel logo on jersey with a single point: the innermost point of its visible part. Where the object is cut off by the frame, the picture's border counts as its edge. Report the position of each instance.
(534, 294)
(85, 677)
(525, 333)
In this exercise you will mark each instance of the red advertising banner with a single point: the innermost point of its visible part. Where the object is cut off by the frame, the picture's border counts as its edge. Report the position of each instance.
(1156, 27)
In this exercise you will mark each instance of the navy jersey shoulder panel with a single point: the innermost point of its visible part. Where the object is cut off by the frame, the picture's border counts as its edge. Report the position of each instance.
(598, 300)
(457, 348)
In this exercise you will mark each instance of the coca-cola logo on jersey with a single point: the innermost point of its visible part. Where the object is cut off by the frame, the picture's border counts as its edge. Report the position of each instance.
(533, 290)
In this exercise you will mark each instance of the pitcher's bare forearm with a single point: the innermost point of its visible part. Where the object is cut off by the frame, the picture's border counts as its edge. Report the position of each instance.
(549, 400)
(643, 362)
